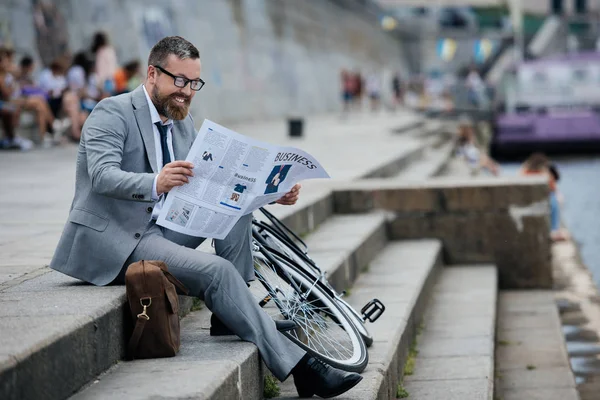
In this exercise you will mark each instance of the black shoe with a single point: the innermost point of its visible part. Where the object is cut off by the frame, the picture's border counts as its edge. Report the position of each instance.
(313, 376)
(218, 328)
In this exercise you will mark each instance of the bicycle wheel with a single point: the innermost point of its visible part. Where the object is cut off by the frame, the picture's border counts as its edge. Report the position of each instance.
(274, 240)
(359, 323)
(323, 328)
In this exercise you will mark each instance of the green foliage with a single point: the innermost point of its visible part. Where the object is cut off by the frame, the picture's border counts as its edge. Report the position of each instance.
(409, 366)
(271, 388)
(401, 393)
(197, 304)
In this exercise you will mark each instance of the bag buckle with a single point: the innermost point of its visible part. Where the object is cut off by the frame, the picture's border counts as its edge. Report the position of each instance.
(143, 313)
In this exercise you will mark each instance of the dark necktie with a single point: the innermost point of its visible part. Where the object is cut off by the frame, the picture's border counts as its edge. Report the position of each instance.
(163, 129)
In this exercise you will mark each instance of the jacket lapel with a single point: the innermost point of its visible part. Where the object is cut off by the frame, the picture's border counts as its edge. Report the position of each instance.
(144, 122)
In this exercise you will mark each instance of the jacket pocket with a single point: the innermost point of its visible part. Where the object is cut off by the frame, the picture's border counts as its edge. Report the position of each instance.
(89, 219)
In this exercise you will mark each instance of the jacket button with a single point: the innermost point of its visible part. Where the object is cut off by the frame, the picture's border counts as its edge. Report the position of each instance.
(149, 210)
(137, 235)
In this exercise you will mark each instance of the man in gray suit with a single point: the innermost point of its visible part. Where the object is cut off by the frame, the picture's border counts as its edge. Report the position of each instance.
(126, 164)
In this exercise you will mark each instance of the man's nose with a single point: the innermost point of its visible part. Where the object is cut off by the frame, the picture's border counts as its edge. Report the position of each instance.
(187, 90)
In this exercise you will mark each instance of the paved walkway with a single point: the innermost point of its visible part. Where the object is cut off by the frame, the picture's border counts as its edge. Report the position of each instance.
(38, 186)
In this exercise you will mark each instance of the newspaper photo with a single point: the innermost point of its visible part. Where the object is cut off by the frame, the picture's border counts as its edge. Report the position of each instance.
(233, 176)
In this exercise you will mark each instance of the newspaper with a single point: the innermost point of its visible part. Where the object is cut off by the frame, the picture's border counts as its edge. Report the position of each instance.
(233, 176)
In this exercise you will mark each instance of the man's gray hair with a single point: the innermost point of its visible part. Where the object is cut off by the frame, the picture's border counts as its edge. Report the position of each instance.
(172, 45)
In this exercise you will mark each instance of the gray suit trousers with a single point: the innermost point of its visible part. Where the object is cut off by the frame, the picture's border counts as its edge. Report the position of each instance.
(214, 279)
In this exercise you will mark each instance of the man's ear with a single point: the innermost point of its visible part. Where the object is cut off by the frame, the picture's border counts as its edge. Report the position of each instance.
(151, 74)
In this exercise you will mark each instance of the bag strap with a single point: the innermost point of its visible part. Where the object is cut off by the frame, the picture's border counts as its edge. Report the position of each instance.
(136, 336)
(140, 324)
(176, 282)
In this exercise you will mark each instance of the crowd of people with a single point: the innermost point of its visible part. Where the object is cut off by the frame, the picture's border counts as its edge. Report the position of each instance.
(355, 86)
(417, 92)
(61, 95)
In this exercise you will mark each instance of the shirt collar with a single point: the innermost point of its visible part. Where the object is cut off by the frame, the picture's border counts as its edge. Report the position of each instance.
(153, 111)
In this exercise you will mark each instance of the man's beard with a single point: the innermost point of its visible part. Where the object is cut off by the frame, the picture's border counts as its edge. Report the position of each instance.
(168, 106)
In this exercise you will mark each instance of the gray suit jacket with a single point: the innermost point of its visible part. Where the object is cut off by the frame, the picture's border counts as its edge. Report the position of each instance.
(116, 165)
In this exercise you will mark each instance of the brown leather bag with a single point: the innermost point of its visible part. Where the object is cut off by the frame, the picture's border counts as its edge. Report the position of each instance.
(154, 305)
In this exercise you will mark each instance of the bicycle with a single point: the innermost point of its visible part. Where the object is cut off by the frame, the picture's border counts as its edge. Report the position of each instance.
(294, 247)
(290, 288)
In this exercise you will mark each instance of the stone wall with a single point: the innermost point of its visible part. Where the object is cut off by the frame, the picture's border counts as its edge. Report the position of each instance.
(500, 221)
(261, 58)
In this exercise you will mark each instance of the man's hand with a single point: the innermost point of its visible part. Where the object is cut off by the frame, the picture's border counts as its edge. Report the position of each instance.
(291, 197)
(173, 174)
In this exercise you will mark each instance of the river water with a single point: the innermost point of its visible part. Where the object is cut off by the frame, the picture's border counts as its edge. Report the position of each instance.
(580, 186)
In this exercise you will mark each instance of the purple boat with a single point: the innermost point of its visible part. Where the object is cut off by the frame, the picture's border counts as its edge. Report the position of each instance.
(551, 105)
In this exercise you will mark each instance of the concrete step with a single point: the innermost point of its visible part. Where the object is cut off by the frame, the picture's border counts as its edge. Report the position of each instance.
(433, 162)
(345, 244)
(233, 367)
(402, 277)
(531, 356)
(454, 357)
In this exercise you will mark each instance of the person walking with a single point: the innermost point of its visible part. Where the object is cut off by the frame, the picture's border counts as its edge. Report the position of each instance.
(128, 161)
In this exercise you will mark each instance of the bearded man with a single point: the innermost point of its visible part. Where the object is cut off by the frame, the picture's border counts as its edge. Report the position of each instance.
(129, 158)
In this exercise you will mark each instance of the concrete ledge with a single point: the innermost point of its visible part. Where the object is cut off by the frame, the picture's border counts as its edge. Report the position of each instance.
(531, 356)
(502, 221)
(59, 334)
(453, 362)
(205, 368)
(391, 168)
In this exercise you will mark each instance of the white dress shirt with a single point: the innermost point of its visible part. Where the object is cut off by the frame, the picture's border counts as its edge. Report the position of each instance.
(158, 149)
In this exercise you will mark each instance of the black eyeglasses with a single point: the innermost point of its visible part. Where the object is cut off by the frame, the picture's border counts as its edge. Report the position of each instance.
(181, 82)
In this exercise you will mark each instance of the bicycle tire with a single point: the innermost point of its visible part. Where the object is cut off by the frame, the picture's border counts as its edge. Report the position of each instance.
(323, 328)
(285, 246)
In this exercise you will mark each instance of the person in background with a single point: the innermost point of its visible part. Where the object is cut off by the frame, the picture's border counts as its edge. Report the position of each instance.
(10, 92)
(82, 85)
(105, 62)
(358, 90)
(373, 87)
(469, 149)
(397, 90)
(26, 80)
(54, 84)
(128, 77)
(475, 87)
(9, 112)
(539, 164)
(348, 89)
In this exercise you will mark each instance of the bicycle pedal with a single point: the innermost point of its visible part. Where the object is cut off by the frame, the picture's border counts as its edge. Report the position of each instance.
(372, 310)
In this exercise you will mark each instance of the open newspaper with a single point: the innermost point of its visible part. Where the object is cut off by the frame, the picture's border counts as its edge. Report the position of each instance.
(233, 176)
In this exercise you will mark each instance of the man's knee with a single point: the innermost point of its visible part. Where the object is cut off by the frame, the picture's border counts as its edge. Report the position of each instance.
(223, 269)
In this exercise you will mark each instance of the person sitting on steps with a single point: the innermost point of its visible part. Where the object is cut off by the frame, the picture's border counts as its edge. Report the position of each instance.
(129, 158)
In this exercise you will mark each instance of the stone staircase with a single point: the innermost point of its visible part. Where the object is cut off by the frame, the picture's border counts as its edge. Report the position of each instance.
(67, 339)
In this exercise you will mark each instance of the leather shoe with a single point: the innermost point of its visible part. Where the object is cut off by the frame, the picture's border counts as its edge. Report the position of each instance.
(313, 376)
(218, 328)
